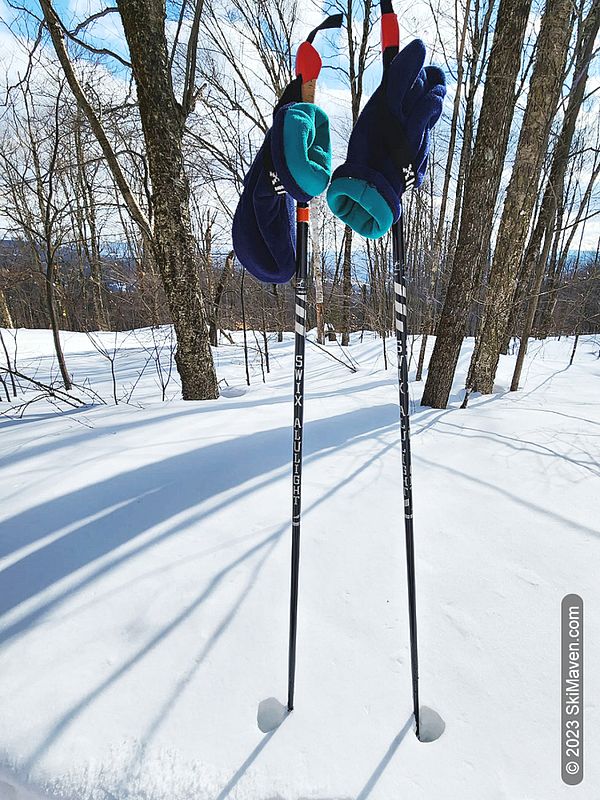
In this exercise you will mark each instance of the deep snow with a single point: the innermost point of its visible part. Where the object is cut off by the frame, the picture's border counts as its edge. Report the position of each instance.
(144, 571)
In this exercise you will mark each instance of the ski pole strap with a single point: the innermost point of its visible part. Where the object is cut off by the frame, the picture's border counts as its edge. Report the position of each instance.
(308, 60)
(334, 21)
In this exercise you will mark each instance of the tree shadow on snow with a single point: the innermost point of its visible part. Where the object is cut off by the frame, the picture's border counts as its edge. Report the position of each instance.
(69, 716)
(268, 542)
(103, 516)
(567, 522)
(114, 515)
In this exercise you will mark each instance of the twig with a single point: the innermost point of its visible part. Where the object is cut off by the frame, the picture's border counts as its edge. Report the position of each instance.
(351, 367)
(58, 394)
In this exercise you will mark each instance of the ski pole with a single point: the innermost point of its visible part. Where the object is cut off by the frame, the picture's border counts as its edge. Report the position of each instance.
(390, 43)
(302, 220)
(402, 354)
(308, 66)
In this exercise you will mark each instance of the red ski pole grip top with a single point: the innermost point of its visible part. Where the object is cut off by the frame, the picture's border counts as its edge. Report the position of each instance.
(390, 32)
(308, 62)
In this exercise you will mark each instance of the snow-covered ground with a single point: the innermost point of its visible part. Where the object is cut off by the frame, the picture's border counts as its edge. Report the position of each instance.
(144, 579)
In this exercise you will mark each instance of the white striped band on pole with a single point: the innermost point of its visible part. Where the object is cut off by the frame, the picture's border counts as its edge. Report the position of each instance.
(300, 315)
(400, 306)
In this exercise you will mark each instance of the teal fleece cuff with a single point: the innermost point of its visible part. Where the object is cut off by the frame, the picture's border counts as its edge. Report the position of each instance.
(361, 206)
(301, 149)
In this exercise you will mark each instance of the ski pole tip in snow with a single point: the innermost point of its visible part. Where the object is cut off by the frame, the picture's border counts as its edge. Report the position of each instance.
(271, 713)
(429, 726)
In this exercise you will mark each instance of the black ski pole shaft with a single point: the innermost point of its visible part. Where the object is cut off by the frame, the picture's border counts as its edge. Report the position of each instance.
(302, 219)
(402, 354)
(390, 45)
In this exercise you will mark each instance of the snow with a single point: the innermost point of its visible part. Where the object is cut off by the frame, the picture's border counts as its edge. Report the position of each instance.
(144, 580)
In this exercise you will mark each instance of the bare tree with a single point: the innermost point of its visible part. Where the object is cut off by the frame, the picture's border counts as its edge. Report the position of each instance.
(461, 37)
(317, 266)
(480, 193)
(536, 256)
(86, 216)
(359, 55)
(542, 103)
(163, 117)
(31, 175)
(217, 295)
(5, 315)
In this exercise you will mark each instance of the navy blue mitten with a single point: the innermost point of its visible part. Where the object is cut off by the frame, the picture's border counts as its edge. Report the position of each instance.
(294, 163)
(389, 145)
(264, 236)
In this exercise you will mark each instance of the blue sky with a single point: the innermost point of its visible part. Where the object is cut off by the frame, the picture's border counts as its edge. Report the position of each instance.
(415, 18)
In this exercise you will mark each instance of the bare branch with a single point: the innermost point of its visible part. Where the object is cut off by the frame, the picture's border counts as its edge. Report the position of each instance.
(55, 29)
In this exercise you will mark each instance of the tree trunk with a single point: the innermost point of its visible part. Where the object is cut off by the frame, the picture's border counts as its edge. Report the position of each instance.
(173, 243)
(429, 321)
(530, 316)
(480, 193)
(473, 78)
(243, 307)
(358, 30)
(5, 315)
(88, 207)
(535, 258)
(264, 332)
(280, 311)
(559, 263)
(347, 287)
(421, 358)
(218, 295)
(573, 351)
(542, 102)
(317, 268)
(50, 299)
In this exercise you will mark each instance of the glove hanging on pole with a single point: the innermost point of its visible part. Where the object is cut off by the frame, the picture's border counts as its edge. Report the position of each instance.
(293, 163)
(389, 145)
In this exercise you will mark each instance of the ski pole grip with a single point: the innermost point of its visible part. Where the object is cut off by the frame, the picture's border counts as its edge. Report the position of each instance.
(390, 31)
(308, 60)
(308, 66)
